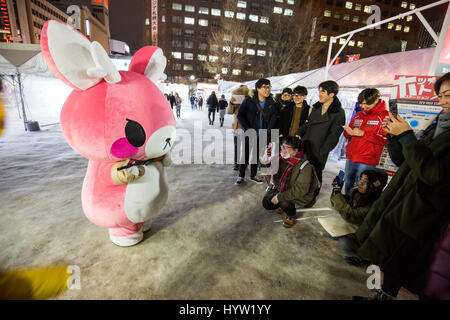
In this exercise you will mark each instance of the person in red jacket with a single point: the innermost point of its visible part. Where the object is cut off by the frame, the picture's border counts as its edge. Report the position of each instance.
(366, 137)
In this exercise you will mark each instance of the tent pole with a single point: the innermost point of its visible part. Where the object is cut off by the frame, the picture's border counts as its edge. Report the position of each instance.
(21, 100)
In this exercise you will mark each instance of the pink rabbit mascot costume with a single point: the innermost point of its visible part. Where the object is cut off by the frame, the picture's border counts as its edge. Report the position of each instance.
(114, 119)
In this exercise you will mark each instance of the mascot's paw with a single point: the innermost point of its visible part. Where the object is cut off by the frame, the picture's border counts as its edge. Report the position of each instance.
(146, 226)
(128, 241)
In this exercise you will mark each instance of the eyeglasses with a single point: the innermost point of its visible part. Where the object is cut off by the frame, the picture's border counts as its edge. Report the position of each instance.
(286, 94)
(285, 146)
(266, 87)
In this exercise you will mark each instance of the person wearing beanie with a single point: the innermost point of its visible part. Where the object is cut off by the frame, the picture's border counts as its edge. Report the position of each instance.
(293, 113)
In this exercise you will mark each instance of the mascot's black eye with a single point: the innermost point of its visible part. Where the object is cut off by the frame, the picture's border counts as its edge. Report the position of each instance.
(135, 133)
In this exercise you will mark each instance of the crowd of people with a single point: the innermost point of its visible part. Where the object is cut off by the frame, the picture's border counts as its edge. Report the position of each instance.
(403, 225)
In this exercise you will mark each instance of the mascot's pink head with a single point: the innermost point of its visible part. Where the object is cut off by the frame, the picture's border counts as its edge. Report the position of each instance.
(110, 115)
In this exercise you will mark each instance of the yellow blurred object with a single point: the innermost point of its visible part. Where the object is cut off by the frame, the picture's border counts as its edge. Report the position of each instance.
(2, 117)
(33, 284)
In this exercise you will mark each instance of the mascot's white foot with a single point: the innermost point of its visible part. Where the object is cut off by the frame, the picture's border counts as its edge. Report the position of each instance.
(146, 226)
(128, 241)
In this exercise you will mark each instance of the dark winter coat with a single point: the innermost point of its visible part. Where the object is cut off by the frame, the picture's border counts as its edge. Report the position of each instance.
(249, 114)
(286, 117)
(414, 206)
(212, 102)
(348, 209)
(323, 131)
(222, 105)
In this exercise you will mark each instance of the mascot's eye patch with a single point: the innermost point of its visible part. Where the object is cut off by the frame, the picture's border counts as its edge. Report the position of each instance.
(135, 133)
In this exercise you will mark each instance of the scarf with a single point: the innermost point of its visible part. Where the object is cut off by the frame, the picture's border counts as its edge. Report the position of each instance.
(443, 124)
(291, 162)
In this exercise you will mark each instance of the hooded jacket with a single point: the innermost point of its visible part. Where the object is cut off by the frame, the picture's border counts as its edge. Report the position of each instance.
(368, 148)
(323, 131)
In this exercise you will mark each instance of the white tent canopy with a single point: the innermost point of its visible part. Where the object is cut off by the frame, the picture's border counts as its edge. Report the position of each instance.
(377, 71)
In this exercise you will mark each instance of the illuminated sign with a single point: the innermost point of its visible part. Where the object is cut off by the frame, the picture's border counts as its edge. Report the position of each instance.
(353, 57)
(100, 2)
(154, 25)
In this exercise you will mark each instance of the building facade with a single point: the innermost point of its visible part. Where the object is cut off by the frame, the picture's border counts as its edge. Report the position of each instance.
(21, 21)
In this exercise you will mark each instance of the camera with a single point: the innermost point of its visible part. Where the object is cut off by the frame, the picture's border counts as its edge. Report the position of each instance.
(338, 182)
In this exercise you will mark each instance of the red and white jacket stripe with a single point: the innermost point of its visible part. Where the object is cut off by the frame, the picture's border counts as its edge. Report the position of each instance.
(368, 148)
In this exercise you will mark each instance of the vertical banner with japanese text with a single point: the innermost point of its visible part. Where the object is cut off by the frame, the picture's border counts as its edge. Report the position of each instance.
(154, 23)
(413, 98)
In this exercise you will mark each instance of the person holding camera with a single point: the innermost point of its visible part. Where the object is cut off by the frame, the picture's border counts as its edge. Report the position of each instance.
(354, 207)
(295, 184)
(366, 137)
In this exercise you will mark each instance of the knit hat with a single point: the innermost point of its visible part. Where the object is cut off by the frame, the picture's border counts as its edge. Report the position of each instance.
(288, 90)
(374, 175)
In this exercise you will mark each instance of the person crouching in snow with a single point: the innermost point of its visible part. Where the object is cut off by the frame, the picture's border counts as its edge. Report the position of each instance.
(295, 184)
(354, 207)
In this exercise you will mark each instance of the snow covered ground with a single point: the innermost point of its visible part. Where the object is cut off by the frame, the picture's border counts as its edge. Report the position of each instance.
(213, 240)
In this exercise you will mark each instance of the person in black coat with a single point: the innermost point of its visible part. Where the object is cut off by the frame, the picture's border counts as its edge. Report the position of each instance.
(293, 114)
(171, 100)
(324, 125)
(211, 103)
(260, 114)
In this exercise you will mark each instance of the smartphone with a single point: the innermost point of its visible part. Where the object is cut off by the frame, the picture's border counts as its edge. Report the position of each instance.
(341, 177)
(393, 107)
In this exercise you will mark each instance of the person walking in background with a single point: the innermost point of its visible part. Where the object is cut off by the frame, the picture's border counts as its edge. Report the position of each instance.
(324, 125)
(366, 137)
(178, 104)
(294, 114)
(171, 100)
(221, 107)
(211, 103)
(192, 99)
(258, 113)
(237, 97)
(200, 102)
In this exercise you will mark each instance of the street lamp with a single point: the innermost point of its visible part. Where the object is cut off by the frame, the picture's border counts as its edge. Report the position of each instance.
(192, 77)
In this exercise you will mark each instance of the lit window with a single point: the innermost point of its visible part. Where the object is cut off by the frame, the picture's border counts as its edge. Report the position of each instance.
(264, 20)
(288, 12)
(346, 17)
(147, 21)
(163, 18)
(188, 44)
(253, 18)
(188, 20)
(262, 42)
(412, 6)
(349, 5)
(188, 67)
(261, 53)
(188, 56)
(390, 25)
(409, 18)
(406, 29)
(215, 12)
(229, 14)
(213, 58)
(236, 72)
(404, 4)
(226, 48)
(238, 50)
(357, 7)
(242, 4)
(355, 19)
(203, 10)
(251, 40)
(202, 46)
(249, 73)
(360, 44)
(341, 41)
(277, 10)
(334, 41)
(251, 52)
(398, 27)
(203, 22)
(337, 15)
(240, 16)
(367, 9)
(189, 8)
(290, 1)
(177, 6)
(327, 13)
(176, 55)
(351, 43)
(280, 1)
(323, 38)
(201, 57)
(224, 70)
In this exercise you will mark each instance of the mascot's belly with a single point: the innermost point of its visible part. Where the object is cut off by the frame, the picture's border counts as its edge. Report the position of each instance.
(146, 196)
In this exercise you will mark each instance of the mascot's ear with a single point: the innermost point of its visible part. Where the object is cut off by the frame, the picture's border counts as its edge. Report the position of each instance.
(149, 61)
(75, 60)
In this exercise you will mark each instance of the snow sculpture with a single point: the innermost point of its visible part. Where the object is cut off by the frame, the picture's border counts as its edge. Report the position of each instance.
(121, 122)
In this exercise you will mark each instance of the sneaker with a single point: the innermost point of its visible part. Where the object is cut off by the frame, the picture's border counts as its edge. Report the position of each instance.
(239, 180)
(256, 180)
(236, 167)
(289, 222)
